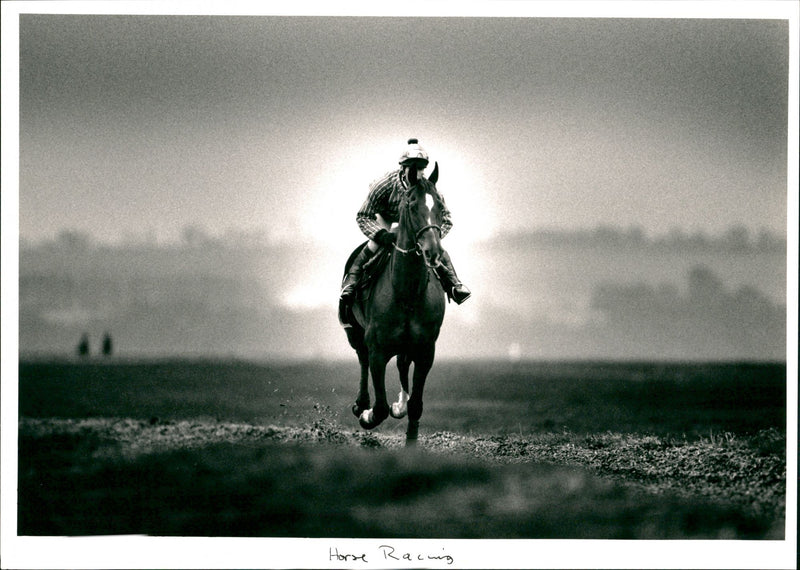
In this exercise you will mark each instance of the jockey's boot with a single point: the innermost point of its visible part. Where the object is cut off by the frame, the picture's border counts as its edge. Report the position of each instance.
(354, 275)
(450, 281)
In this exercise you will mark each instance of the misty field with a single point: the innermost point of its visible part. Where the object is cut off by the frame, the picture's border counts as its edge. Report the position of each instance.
(506, 450)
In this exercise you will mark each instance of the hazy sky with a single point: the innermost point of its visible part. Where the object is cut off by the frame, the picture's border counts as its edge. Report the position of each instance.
(141, 125)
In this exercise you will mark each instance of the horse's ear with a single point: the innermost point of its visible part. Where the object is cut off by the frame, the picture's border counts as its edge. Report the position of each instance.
(435, 174)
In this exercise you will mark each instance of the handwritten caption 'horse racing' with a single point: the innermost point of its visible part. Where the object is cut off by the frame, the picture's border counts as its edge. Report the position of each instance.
(387, 553)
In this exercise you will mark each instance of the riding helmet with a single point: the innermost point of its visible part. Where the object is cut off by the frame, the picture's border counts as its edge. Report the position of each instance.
(413, 153)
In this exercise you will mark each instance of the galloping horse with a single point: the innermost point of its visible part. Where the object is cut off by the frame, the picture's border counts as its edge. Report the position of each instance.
(401, 313)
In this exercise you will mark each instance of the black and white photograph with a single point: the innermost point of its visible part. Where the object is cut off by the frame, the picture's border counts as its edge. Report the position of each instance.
(424, 285)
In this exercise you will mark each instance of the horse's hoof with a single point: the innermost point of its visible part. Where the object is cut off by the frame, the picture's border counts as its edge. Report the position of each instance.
(370, 419)
(397, 413)
(400, 408)
(359, 408)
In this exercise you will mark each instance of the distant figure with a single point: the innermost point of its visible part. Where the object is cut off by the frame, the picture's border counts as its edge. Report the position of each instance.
(108, 345)
(83, 346)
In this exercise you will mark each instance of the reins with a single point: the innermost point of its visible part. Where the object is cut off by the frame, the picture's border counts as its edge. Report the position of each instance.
(416, 247)
(407, 251)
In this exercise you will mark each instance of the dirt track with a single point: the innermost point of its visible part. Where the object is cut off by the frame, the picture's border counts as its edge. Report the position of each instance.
(542, 486)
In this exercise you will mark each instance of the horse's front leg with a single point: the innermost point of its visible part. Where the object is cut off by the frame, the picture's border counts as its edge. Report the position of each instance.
(372, 418)
(400, 408)
(423, 362)
(362, 400)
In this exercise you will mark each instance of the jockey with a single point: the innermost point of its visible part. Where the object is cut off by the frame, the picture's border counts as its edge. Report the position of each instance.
(384, 200)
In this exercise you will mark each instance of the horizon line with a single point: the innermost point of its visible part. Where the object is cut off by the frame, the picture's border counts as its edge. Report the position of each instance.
(195, 234)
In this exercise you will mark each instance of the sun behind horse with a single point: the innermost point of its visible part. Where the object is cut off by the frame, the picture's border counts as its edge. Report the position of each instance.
(401, 312)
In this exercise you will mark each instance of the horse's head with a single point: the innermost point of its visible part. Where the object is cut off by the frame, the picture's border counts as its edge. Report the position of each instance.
(421, 220)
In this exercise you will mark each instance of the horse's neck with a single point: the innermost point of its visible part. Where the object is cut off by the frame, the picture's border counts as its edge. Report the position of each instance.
(409, 273)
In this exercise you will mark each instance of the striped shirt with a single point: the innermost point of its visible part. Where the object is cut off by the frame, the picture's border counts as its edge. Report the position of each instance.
(384, 198)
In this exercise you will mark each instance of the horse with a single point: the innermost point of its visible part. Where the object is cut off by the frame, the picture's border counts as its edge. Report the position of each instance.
(401, 312)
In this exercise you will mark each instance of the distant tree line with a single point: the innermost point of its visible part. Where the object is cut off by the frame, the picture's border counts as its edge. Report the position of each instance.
(737, 238)
(191, 237)
(707, 314)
